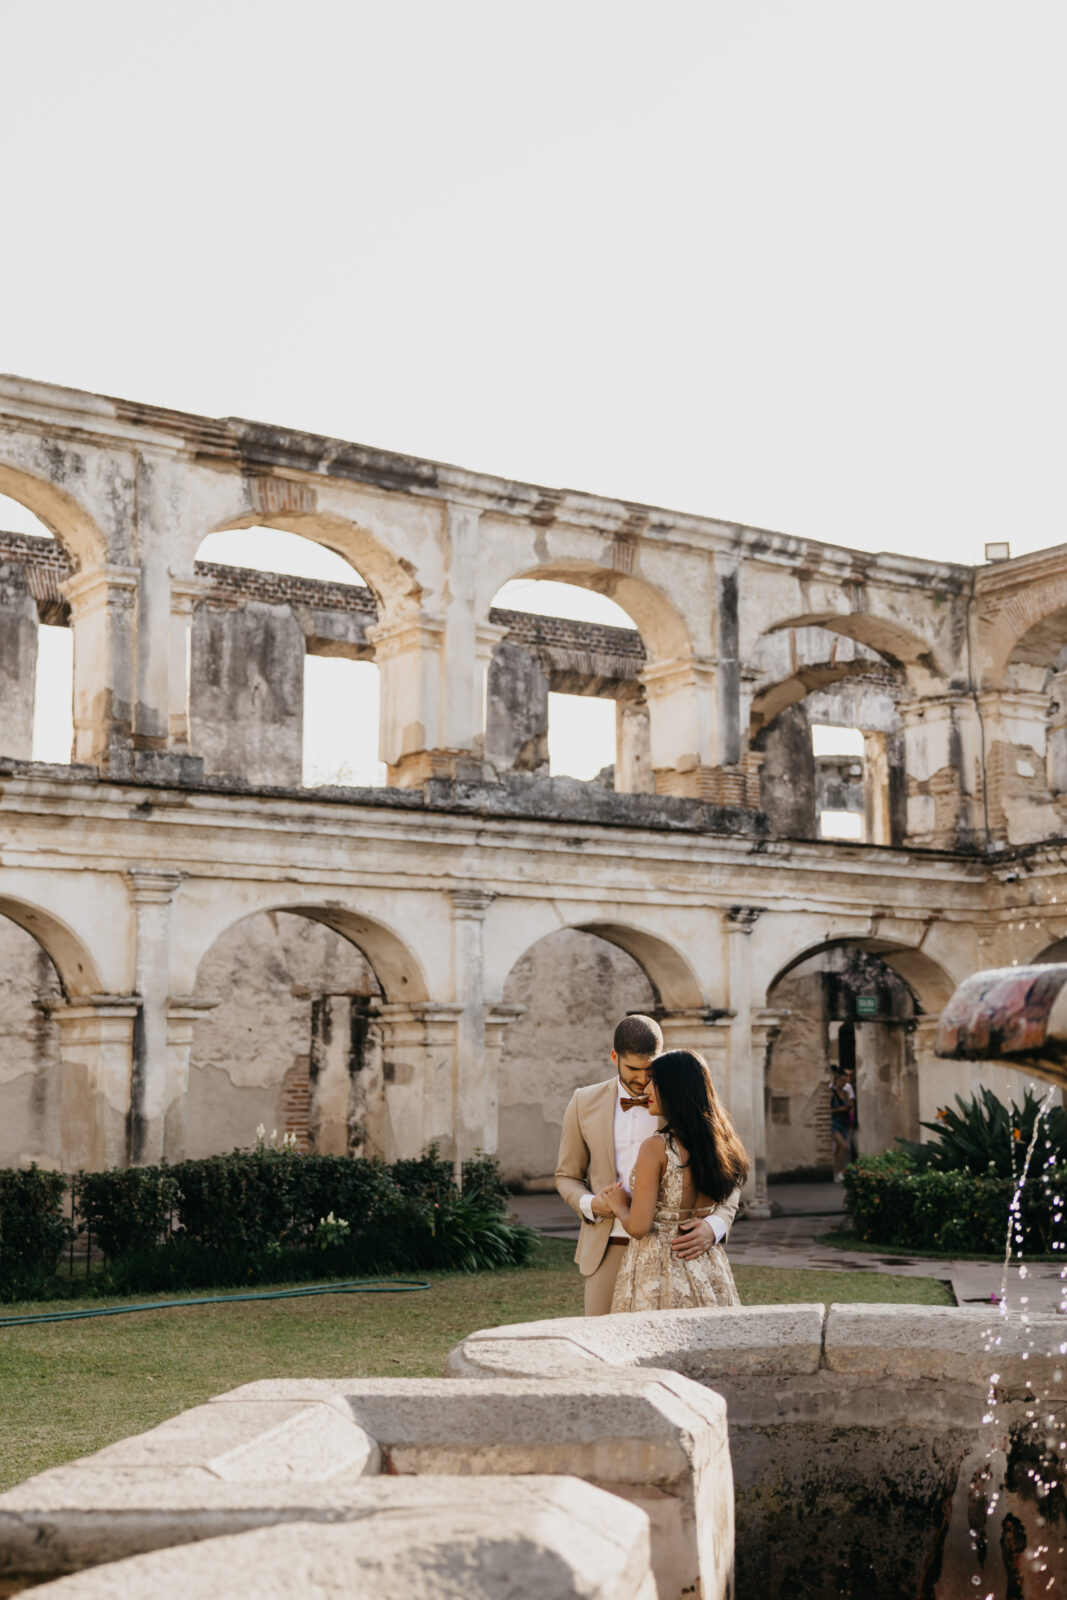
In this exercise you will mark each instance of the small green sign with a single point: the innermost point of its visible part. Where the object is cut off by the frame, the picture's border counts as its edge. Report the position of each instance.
(866, 1005)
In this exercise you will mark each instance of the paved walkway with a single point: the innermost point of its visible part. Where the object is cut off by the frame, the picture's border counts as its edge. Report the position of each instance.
(789, 1240)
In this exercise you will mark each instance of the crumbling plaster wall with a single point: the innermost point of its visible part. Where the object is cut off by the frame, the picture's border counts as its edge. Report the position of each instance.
(31, 1079)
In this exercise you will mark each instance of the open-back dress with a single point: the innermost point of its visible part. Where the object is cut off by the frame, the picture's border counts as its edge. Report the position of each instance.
(651, 1278)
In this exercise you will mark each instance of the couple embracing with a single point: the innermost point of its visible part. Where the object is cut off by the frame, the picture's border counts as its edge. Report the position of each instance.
(650, 1161)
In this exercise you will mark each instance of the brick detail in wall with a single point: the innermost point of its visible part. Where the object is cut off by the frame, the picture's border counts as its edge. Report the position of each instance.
(578, 647)
(720, 786)
(296, 1102)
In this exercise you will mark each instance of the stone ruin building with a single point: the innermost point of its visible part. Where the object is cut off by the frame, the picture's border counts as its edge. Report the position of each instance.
(194, 943)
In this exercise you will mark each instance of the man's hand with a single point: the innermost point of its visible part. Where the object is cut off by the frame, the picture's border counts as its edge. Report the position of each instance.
(601, 1205)
(694, 1238)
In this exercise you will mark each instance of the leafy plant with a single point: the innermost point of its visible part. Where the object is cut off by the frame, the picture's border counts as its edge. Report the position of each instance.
(985, 1136)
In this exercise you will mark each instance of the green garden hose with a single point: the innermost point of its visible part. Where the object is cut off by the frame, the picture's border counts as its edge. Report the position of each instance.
(354, 1286)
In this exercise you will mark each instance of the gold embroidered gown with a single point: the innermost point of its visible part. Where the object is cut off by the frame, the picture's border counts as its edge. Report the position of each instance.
(651, 1278)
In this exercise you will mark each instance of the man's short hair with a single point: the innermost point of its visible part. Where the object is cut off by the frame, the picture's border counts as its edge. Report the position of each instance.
(638, 1036)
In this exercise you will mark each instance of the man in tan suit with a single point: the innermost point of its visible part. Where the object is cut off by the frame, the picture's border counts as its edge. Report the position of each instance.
(603, 1129)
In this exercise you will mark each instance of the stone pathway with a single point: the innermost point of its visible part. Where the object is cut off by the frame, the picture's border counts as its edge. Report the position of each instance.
(789, 1240)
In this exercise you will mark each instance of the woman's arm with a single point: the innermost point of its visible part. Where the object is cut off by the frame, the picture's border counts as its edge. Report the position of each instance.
(636, 1213)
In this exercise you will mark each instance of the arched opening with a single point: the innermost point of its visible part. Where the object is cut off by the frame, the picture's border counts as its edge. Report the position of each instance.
(43, 965)
(846, 1003)
(283, 687)
(564, 697)
(825, 721)
(36, 642)
(570, 988)
(289, 1036)
(31, 1070)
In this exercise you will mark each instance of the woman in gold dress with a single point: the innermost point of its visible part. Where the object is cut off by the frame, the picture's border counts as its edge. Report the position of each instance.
(692, 1164)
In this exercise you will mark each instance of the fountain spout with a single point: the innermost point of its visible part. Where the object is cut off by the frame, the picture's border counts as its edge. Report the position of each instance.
(1013, 1015)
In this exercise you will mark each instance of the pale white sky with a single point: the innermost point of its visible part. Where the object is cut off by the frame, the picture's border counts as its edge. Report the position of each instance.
(798, 266)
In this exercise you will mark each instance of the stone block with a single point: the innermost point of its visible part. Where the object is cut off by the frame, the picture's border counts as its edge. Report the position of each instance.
(705, 1345)
(945, 1344)
(301, 1449)
(408, 1539)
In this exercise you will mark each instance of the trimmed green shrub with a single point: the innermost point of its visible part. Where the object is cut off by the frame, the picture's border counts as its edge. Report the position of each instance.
(127, 1209)
(270, 1214)
(33, 1229)
(889, 1202)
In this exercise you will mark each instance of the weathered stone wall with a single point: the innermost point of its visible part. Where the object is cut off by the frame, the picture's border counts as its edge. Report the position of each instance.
(18, 661)
(288, 1045)
(31, 1081)
(573, 988)
(246, 693)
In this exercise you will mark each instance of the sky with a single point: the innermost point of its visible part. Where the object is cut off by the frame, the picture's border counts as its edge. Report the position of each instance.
(795, 266)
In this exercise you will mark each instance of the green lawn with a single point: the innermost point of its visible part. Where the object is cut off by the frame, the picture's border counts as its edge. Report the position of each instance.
(68, 1389)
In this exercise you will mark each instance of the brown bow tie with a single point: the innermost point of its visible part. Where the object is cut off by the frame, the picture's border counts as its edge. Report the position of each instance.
(628, 1105)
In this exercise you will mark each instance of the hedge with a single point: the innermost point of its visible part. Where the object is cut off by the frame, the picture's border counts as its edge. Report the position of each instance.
(890, 1202)
(255, 1215)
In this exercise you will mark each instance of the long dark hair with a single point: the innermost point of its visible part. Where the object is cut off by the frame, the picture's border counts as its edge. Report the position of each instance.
(698, 1119)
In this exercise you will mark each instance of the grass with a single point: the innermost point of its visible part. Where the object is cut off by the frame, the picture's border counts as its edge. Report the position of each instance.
(68, 1389)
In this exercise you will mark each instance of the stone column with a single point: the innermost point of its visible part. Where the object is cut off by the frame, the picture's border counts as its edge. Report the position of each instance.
(18, 662)
(877, 818)
(1019, 804)
(246, 693)
(185, 594)
(411, 674)
(516, 719)
(944, 772)
(183, 1013)
(633, 749)
(418, 1080)
(476, 1086)
(152, 890)
(96, 1050)
(747, 1097)
(695, 752)
(1056, 759)
(102, 618)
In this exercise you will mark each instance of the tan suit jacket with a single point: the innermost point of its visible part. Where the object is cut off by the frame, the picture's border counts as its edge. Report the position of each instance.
(587, 1165)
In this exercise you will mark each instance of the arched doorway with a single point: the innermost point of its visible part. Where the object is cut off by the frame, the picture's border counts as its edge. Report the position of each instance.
(36, 642)
(30, 1064)
(289, 1041)
(841, 1005)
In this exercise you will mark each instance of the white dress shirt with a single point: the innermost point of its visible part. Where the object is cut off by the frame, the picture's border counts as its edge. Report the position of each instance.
(632, 1128)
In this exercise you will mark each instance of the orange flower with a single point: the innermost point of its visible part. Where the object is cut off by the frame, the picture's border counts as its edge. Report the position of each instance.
(1016, 1134)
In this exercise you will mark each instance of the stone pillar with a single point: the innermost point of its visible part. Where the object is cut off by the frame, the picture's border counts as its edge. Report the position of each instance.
(707, 1032)
(695, 751)
(247, 693)
(633, 749)
(185, 594)
(468, 645)
(1056, 749)
(18, 662)
(96, 1050)
(183, 1013)
(787, 777)
(944, 767)
(411, 674)
(1019, 804)
(102, 618)
(516, 726)
(877, 819)
(476, 1104)
(418, 1081)
(152, 889)
(747, 1096)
